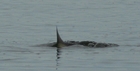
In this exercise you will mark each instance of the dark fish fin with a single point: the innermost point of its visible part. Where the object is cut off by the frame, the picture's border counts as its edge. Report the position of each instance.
(60, 42)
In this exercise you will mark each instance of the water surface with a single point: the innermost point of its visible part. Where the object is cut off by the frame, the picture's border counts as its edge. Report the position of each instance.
(26, 22)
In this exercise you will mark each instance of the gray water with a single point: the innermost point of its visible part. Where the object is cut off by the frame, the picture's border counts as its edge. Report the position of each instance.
(24, 23)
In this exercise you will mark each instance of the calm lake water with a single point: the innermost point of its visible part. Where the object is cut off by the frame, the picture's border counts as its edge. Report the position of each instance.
(25, 23)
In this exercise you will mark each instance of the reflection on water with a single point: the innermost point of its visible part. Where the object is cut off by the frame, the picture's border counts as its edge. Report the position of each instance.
(58, 53)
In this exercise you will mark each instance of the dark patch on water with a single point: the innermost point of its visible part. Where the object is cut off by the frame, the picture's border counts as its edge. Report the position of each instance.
(83, 43)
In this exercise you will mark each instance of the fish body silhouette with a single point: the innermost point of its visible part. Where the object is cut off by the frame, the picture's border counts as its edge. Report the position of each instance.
(60, 43)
